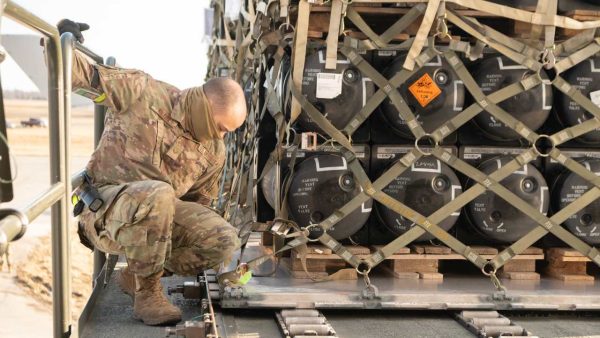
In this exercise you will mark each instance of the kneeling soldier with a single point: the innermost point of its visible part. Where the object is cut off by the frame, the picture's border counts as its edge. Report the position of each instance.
(157, 165)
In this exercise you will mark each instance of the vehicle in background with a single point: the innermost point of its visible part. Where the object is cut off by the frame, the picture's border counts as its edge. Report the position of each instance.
(35, 122)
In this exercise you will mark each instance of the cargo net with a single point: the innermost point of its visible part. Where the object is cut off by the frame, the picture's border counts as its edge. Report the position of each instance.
(273, 37)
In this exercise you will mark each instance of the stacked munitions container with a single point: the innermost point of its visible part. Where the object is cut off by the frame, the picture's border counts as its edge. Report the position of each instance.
(376, 129)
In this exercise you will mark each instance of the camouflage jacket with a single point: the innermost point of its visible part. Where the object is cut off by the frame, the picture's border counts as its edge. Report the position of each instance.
(143, 137)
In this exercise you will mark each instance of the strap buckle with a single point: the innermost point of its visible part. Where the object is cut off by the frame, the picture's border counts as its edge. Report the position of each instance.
(242, 268)
(489, 269)
(307, 229)
(548, 58)
(370, 291)
(281, 227)
(441, 30)
(287, 27)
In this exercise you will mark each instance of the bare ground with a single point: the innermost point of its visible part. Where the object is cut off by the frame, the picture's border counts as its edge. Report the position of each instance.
(33, 269)
(34, 141)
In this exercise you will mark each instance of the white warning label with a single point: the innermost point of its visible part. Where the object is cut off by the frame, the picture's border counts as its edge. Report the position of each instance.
(595, 97)
(329, 85)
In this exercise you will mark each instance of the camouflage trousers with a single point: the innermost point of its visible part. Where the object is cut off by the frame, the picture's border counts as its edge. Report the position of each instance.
(154, 230)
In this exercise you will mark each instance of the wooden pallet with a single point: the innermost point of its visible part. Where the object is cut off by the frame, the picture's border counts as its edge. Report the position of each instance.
(320, 261)
(523, 29)
(567, 265)
(417, 261)
(423, 262)
(379, 18)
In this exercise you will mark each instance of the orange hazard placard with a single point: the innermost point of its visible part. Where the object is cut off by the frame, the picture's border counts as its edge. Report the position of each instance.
(425, 90)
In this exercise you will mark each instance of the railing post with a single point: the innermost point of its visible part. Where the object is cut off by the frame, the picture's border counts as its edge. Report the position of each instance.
(99, 115)
(58, 173)
(67, 44)
(59, 169)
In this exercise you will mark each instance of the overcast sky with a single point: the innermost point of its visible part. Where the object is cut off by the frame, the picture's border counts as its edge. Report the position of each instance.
(163, 38)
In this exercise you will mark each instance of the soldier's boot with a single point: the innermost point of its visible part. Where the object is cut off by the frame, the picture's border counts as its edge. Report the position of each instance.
(151, 305)
(126, 281)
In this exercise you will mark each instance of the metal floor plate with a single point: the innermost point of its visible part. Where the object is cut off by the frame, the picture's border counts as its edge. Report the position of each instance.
(464, 291)
(559, 324)
(112, 315)
(395, 324)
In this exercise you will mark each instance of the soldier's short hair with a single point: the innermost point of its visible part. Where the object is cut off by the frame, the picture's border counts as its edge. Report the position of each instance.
(225, 95)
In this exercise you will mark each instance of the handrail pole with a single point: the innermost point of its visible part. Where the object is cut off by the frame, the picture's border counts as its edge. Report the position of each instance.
(67, 44)
(59, 55)
(59, 168)
(99, 116)
(59, 213)
(26, 18)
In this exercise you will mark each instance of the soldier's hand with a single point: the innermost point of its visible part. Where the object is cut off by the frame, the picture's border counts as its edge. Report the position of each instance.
(75, 28)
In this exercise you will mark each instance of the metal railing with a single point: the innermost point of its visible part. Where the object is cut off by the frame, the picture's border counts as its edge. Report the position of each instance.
(59, 53)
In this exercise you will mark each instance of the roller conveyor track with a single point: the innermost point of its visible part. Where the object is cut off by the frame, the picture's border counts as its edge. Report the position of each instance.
(300, 323)
(491, 324)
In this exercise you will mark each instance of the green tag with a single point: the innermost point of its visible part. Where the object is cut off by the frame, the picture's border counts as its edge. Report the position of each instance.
(245, 278)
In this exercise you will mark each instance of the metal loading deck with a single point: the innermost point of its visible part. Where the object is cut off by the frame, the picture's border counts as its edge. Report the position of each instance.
(458, 291)
(254, 316)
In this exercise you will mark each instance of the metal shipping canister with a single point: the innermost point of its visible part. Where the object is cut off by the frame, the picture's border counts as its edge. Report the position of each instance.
(586, 77)
(568, 187)
(427, 186)
(531, 107)
(337, 93)
(321, 184)
(499, 220)
(434, 94)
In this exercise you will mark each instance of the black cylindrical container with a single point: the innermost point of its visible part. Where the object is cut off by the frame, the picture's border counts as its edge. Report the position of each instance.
(434, 94)
(320, 184)
(425, 187)
(531, 107)
(337, 93)
(497, 219)
(586, 77)
(568, 187)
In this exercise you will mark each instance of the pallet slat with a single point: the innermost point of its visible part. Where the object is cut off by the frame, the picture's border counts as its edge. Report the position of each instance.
(567, 265)
(418, 261)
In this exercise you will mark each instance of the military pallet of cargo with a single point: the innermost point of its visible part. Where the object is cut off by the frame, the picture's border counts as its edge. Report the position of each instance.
(382, 131)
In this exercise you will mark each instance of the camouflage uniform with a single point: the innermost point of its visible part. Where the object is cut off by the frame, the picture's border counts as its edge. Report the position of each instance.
(153, 176)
